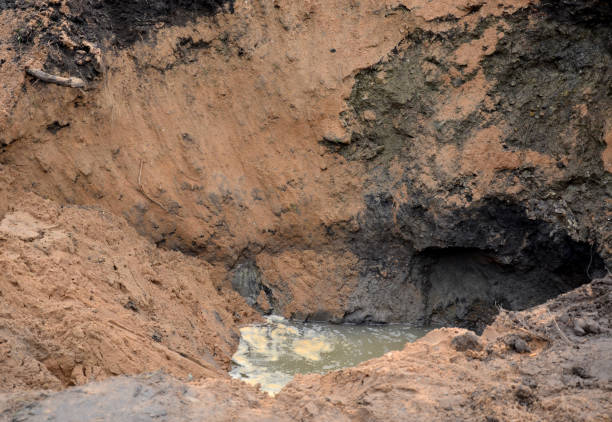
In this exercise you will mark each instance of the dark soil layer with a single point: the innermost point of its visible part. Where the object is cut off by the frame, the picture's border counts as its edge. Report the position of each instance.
(464, 266)
(540, 86)
(6, 4)
(104, 24)
(581, 12)
(132, 20)
(433, 260)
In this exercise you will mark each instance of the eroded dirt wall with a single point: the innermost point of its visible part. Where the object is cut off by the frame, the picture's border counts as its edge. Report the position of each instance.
(332, 160)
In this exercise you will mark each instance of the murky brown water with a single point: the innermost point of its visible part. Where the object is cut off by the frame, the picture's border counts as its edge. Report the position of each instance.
(271, 354)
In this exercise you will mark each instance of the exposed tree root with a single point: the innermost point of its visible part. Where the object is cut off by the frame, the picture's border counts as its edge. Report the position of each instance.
(71, 82)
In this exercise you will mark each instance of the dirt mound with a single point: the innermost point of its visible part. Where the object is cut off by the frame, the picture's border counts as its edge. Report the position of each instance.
(84, 297)
(532, 365)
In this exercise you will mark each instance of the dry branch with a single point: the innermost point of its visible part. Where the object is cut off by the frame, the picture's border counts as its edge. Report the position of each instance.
(559, 329)
(46, 77)
(142, 191)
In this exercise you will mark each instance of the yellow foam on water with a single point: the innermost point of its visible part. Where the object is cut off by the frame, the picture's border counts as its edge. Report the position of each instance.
(241, 359)
(311, 349)
(272, 388)
(256, 338)
(282, 331)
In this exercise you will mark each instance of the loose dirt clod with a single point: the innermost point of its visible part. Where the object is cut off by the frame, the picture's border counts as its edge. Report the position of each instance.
(466, 341)
(517, 344)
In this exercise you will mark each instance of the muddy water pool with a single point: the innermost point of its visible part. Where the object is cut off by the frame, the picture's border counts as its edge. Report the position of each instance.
(270, 354)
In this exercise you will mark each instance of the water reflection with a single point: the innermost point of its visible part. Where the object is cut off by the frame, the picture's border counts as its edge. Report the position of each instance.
(270, 354)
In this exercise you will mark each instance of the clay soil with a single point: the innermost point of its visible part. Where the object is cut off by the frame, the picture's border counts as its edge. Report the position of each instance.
(550, 363)
(441, 161)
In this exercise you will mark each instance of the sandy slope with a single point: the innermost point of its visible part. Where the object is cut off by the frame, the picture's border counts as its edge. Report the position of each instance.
(83, 297)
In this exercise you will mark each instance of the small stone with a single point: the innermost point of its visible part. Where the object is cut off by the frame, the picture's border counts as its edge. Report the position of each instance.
(335, 139)
(524, 395)
(520, 346)
(369, 115)
(583, 326)
(263, 303)
(517, 344)
(131, 306)
(592, 327)
(587, 325)
(581, 372)
(457, 82)
(466, 341)
(530, 382)
(579, 331)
